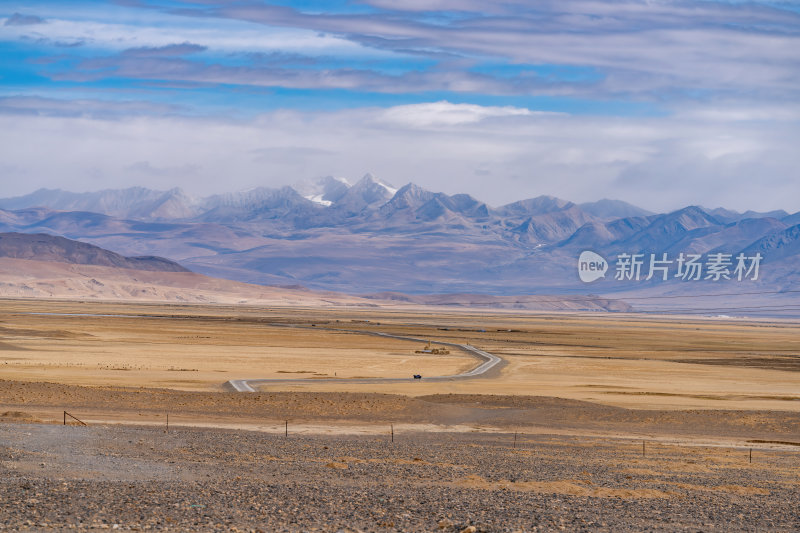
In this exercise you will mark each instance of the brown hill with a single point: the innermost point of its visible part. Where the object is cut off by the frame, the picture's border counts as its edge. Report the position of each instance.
(25, 278)
(44, 266)
(41, 247)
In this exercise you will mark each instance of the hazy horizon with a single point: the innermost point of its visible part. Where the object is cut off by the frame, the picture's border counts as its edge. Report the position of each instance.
(353, 181)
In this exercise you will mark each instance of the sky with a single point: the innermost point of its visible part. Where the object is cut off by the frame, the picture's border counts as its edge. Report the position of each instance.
(659, 103)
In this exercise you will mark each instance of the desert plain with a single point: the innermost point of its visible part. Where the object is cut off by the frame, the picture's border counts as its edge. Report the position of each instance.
(593, 421)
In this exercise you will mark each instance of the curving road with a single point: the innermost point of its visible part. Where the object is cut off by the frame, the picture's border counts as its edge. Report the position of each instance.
(488, 361)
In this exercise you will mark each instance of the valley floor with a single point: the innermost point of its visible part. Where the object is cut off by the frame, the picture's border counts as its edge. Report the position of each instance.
(596, 422)
(625, 360)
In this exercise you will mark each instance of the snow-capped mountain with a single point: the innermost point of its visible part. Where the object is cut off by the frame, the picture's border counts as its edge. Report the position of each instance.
(371, 237)
(368, 193)
(324, 191)
(256, 204)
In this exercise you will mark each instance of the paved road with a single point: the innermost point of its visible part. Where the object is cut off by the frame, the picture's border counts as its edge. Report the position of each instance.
(488, 362)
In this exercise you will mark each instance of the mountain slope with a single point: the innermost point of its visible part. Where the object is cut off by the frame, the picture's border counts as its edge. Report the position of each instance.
(258, 205)
(553, 226)
(42, 247)
(779, 245)
(665, 230)
(324, 191)
(728, 216)
(541, 205)
(598, 234)
(729, 238)
(135, 202)
(613, 209)
(361, 239)
(368, 193)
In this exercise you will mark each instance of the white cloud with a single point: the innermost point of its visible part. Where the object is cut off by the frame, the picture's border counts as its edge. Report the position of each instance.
(741, 112)
(662, 51)
(224, 36)
(496, 154)
(446, 114)
(640, 47)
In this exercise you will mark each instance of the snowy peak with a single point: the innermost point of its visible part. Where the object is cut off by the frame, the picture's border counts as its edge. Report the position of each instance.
(324, 191)
(369, 193)
(369, 180)
(415, 240)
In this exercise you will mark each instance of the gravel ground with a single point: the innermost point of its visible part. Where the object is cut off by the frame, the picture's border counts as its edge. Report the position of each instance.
(141, 478)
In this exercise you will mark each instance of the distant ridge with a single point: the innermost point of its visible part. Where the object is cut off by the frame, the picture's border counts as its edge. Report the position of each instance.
(613, 209)
(134, 202)
(366, 237)
(41, 247)
(46, 266)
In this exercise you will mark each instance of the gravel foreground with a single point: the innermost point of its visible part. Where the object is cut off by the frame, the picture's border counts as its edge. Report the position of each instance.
(142, 478)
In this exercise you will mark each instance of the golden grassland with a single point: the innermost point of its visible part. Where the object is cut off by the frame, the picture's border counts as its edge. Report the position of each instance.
(570, 413)
(197, 353)
(631, 361)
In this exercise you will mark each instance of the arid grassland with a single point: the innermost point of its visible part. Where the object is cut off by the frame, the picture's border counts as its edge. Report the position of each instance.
(625, 360)
(594, 422)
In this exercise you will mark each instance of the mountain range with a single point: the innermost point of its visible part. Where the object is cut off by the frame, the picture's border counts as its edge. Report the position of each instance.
(370, 237)
(46, 266)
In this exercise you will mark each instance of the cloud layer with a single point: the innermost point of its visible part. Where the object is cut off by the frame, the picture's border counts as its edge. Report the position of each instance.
(662, 103)
(496, 154)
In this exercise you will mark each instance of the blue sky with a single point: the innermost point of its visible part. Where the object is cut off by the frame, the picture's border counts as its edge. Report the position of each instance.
(661, 103)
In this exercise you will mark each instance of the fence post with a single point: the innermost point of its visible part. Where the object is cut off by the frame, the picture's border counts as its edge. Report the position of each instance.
(81, 422)
(392, 432)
